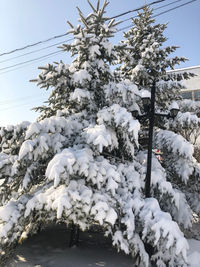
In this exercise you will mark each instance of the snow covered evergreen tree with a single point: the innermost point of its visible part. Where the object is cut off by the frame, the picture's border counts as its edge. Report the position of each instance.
(147, 60)
(80, 162)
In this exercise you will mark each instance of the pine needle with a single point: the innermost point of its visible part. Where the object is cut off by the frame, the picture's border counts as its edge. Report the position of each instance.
(98, 2)
(82, 17)
(68, 22)
(92, 6)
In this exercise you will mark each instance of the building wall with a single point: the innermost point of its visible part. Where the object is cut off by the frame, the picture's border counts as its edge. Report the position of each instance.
(192, 90)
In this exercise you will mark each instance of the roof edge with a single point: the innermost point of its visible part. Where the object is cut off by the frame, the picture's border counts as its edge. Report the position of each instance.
(187, 68)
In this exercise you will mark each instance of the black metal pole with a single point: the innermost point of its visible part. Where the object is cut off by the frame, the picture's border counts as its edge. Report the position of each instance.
(149, 157)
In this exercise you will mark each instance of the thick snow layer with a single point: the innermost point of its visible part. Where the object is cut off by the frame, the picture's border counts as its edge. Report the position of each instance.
(81, 75)
(81, 162)
(78, 94)
(176, 143)
(174, 105)
(121, 117)
(145, 94)
(100, 137)
(50, 248)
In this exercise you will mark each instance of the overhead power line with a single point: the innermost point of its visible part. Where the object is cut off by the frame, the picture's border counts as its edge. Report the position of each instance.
(161, 13)
(31, 102)
(64, 41)
(157, 8)
(34, 44)
(64, 34)
(136, 9)
(37, 50)
(30, 63)
(31, 60)
(171, 9)
(19, 99)
(124, 28)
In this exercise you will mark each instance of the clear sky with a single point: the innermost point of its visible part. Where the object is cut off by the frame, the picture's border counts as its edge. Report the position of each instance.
(23, 22)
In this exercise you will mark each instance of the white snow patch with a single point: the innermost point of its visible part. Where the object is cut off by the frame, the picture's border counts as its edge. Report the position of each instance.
(194, 253)
(78, 94)
(81, 75)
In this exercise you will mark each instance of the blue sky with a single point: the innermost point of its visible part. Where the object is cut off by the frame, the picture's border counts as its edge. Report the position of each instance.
(23, 22)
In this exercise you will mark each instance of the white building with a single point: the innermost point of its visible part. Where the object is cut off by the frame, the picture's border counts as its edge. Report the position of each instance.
(192, 85)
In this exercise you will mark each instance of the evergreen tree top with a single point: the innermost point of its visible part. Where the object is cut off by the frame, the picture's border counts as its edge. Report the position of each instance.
(95, 29)
(149, 58)
(84, 78)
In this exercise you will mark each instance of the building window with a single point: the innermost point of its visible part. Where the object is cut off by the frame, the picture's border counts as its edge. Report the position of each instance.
(186, 95)
(197, 95)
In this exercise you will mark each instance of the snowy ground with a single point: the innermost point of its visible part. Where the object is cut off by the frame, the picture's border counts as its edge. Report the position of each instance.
(50, 249)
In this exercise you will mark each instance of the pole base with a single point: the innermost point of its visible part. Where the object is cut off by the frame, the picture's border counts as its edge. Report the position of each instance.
(74, 235)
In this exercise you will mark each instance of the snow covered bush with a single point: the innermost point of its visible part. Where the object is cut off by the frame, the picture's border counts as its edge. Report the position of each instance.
(81, 161)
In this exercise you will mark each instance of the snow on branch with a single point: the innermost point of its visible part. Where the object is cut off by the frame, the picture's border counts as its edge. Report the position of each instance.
(11, 137)
(189, 105)
(6, 163)
(160, 188)
(79, 94)
(123, 93)
(145, 216)
(174, 143)
(100, 137)
(185, 120)
(178, 154)
(81, 76)
(121, 118)
(45, 139)
(75, 202)
(163, 228)
(81, 163)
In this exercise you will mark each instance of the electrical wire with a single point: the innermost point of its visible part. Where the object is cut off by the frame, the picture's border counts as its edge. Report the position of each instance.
(136, 9)
(157, 8)
(156, 15)
(171, 9)
(54, 53)
(46, 47)
(20, 99)
(31, 60)
(19, 105)
(61, 35)
(31, 52)
(34, 44)
(36, 61)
